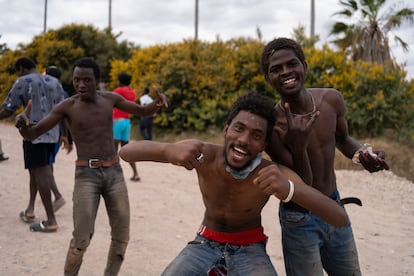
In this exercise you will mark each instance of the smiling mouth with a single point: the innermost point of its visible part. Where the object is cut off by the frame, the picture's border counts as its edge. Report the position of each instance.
(239, 152)
(289, 81)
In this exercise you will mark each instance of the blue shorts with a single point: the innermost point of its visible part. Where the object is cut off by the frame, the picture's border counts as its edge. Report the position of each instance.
(122, 129)
(37, 155)
(54, 153)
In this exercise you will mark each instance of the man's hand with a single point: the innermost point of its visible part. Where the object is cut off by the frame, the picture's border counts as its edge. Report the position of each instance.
(161, 99)
(186, 153)
(272, 181)
(22, 120)
(373, 160)
(64, 143)
(299, 127)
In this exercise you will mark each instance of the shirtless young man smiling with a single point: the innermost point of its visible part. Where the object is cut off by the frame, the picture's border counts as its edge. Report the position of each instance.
(311, 245)
(235, 184)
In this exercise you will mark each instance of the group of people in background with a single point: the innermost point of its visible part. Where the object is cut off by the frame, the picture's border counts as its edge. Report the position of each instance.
(299, 134)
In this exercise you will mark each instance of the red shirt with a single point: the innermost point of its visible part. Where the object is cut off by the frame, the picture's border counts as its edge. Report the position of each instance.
(129, 94)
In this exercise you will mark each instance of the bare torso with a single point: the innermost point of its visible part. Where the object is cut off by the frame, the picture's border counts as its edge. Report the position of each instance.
(321, 141)
(90, 123)
(231, 205)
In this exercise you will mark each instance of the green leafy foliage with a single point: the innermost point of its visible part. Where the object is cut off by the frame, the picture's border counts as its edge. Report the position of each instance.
(61, 47)
(202, 79)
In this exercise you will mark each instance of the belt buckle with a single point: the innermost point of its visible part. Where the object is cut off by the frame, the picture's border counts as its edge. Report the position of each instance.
(90, 163)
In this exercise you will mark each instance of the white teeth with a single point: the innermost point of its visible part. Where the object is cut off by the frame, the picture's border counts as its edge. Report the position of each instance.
(288, 81)
(240, 150)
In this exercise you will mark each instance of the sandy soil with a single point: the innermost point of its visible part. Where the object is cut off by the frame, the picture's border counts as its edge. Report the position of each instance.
(166, 210)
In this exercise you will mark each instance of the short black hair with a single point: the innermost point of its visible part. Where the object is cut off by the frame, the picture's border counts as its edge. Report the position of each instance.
(124, 78)
(25, 62)
(276, 45)
(257, 104)
(87, 62)
(54, 72)
(145, 91)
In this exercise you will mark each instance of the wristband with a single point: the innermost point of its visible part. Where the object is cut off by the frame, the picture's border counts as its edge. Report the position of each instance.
(291, 191)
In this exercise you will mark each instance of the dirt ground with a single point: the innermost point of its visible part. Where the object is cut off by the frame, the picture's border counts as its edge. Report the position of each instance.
(166, 210)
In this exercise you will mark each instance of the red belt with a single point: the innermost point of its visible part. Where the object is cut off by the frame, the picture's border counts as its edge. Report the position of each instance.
(97, 163)
(238, 238)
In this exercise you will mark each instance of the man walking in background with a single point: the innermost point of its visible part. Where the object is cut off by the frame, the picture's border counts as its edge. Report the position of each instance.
(121, 119)
(44, 92)
(145, 123)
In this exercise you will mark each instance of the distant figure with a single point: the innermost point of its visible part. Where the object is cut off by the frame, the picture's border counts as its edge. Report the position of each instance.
(2, 156)
(64, 139)
(43, 92)
(121, 119)
(145, 123)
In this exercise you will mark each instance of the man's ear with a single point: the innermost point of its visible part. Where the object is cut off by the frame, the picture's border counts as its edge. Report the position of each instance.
(305, 67)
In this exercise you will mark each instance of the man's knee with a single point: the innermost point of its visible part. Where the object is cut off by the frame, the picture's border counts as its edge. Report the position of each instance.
(73, 261)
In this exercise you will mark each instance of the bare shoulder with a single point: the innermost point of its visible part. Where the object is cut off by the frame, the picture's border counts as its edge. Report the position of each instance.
(329, 96)
(67, 103)
(108, 94)
(324, 92)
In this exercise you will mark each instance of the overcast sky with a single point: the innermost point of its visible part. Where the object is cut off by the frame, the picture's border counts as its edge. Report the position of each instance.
(149, 22)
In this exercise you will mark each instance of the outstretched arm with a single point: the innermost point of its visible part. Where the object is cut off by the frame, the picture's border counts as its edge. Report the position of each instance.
(31, 131)
(274, 180)
(143, 110)
(182, 153)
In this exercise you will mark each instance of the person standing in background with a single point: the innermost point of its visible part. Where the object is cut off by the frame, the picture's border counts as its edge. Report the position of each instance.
(43, 92)
(121, 119)
(145, 123)
(64, 139)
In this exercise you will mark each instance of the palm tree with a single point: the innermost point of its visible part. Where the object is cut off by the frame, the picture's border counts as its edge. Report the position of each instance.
(368, 38)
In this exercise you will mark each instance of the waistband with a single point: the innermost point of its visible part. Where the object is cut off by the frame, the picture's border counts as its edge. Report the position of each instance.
(115, 120)
(97, 163)
(238, 238)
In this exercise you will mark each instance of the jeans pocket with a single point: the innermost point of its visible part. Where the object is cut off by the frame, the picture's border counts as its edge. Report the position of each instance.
(294, 218)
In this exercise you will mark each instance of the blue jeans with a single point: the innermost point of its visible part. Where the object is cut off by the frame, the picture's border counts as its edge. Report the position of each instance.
(201, 254)
(90, 185)
(311, 245)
